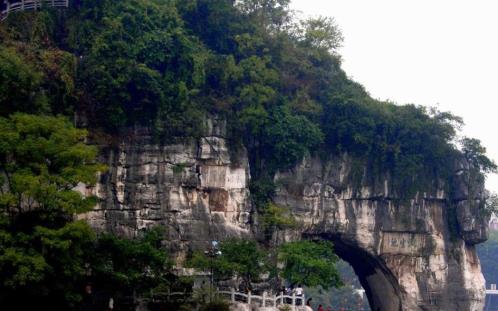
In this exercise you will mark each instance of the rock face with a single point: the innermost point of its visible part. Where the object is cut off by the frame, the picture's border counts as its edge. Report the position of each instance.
(405, 252)
(416, 254)
(192, 189)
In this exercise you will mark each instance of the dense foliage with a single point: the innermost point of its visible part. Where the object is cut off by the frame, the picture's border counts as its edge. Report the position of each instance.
(346, 296)
(42, 251)
(242, 259)
(122, 268)
(309, 263)
(168, 64)
(47, 257)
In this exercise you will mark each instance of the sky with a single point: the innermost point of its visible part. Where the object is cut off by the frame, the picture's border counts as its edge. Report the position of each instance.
(427, 52)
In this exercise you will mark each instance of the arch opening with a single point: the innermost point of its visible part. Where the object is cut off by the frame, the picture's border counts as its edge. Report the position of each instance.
(380, 285)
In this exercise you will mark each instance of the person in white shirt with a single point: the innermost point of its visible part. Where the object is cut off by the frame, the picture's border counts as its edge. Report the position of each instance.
(299, 290)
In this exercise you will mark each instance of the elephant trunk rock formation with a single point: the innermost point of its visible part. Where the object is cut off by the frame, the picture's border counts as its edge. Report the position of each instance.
(416, 254)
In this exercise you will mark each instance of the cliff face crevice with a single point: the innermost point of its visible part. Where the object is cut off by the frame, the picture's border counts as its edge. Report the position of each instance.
(415, 254)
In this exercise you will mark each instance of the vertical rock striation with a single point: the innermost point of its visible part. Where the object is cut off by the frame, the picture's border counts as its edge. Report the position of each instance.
(192, 189)
(416, 254)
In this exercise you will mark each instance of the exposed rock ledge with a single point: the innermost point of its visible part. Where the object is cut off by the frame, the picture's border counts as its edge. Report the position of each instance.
(406, 253)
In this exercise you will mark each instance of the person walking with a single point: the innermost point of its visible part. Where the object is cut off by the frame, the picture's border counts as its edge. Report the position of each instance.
(308, 302)
(320, 308)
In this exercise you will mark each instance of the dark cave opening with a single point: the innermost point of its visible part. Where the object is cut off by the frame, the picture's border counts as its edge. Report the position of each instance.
(380, 285)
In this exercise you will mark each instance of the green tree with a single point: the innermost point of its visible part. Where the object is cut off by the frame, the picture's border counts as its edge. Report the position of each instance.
(243, 259)
(269, 14)
(168, 64)
(289, 138)
(42, 159)
(321, 32)
(131, 267)
(277, 218)
(19, 84)
(36, 75)
(139, 67)
(43, 252)
(309, 263)
(475, 154)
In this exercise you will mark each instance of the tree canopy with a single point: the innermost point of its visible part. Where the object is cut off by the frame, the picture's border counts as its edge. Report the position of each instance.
(42, 251)
(46, 256)
(243, 259)
(169, 64)
(310, 264)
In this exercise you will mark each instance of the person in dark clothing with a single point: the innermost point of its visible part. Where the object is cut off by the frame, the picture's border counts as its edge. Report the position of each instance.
(88, 301)
(308, 302)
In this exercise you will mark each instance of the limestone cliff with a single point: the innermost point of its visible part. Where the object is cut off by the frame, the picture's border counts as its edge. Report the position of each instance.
(405, 253)
(416, 254)
(191, 188)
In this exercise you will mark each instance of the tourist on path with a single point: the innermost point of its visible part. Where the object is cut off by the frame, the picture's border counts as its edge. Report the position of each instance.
(299, 290)
(308, 302)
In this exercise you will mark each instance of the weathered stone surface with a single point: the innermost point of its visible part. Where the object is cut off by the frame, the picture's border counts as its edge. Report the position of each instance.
(192, 189)
(405, 252)
(469, 216)
(413, 254)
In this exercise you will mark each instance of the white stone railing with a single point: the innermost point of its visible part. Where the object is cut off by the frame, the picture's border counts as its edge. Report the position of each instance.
(492, 290)
(9, 6)
(265, 300)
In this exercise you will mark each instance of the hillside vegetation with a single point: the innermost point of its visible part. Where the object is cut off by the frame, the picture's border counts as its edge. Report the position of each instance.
(167, 65)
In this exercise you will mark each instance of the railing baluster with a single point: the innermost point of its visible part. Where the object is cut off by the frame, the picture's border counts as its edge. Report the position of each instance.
(23, 5)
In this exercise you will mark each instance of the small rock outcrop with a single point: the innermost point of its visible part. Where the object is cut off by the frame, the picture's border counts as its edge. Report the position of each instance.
(416, 254)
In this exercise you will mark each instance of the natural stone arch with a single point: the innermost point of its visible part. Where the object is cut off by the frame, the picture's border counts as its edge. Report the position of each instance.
(421, 250)
(409, 254)
(380, 285)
